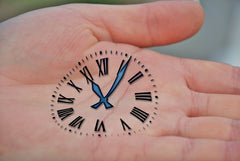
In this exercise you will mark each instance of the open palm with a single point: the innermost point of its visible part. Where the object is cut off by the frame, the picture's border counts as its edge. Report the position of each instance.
(199, 101)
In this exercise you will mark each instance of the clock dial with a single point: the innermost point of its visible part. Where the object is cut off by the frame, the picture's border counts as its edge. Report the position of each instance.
(108, 93)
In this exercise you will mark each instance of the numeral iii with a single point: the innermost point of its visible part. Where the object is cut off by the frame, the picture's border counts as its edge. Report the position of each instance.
(145, 96)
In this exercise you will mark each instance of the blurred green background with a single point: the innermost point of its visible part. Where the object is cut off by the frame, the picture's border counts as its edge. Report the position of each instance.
(218, 40)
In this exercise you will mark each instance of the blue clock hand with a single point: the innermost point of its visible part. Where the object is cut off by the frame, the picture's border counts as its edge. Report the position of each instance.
(96, 89)
(119, 77)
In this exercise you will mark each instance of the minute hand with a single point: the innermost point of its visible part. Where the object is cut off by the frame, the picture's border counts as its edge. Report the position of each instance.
(119, 77)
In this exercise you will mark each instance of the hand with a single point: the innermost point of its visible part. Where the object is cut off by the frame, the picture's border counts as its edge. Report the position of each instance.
(119, 77)
(199, 100)
(103, 100)
(96, 89)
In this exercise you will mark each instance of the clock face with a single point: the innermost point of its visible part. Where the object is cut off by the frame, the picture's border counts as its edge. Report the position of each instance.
(107, 93)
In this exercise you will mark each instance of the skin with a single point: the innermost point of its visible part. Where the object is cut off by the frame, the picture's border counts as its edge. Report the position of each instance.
(199, 100)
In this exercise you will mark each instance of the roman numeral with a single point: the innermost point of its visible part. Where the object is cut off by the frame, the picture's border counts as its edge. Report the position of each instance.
(103, 66)
(124, 125)
(63, 99)
(139, 114)
(122, 63)
(78, 121)
(85, 72)
(100, 126)
(145, 96)
(74, 86)
(135, 77)
(64, 113)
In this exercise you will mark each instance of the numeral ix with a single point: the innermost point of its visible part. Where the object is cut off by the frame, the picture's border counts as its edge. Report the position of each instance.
(63, 99)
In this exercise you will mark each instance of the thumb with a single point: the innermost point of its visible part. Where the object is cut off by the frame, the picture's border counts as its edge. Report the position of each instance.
(145, 25)
(56, 37)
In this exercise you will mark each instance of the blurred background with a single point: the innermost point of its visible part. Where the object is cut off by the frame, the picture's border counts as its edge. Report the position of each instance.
(218, 40)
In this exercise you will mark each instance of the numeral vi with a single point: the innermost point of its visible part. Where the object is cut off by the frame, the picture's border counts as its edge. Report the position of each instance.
(99, 126)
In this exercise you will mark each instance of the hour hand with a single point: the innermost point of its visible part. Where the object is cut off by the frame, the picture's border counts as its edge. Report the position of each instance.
(96, 89)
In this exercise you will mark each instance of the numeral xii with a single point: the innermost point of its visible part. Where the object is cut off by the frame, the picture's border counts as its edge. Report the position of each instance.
(102, 66)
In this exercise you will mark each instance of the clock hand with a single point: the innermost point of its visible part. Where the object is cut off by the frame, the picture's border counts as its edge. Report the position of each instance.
(119, 77)
(96, 89)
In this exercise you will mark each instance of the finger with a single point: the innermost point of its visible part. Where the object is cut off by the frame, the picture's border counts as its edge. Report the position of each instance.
(223, 105)
(196, 149)
(211, 77)
(143, 25)
(209, 127)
